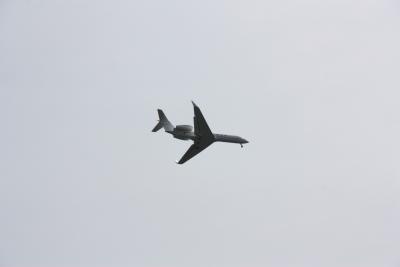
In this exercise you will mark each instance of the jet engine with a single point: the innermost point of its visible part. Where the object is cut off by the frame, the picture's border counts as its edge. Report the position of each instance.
(184, 128)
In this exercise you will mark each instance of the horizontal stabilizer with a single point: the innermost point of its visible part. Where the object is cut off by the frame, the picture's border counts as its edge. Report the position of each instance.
(157, 127)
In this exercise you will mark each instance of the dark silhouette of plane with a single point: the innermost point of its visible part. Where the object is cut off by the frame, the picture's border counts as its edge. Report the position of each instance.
(201, 135)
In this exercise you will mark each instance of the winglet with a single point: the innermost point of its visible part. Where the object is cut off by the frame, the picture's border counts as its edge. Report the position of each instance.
(194, 104)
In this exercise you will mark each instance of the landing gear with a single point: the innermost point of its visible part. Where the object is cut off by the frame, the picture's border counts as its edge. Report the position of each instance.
(241, 145)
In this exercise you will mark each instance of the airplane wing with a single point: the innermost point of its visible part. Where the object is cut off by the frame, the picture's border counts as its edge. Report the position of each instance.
(195, 149)
(203, 133)
(201, 128)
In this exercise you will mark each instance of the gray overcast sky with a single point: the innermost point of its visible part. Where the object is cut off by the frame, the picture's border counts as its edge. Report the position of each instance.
(313, 85)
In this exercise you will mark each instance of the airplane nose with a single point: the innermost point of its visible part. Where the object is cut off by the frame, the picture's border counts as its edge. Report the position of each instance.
(245, 141)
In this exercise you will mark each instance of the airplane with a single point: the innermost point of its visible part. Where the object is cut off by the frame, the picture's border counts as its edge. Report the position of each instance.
(201, 135)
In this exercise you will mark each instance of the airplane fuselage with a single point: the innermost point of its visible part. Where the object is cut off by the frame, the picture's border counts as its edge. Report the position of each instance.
(190, 135)
(230, 139)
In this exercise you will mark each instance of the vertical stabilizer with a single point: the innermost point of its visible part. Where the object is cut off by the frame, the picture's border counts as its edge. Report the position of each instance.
(163, 122)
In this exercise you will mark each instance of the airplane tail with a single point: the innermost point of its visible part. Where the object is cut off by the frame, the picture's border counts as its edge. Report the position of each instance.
(163, 122)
